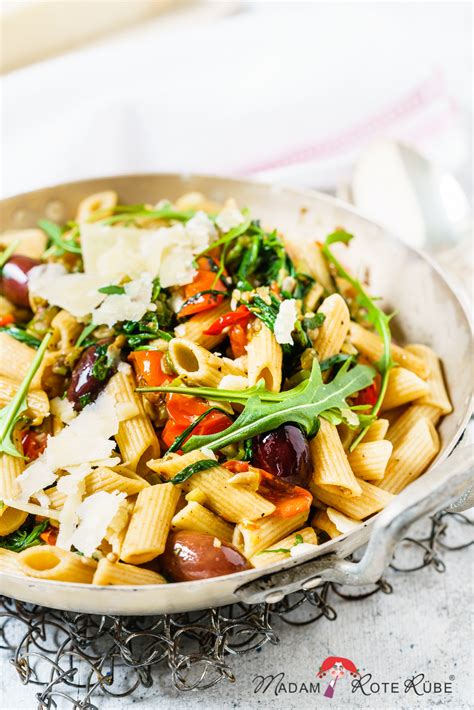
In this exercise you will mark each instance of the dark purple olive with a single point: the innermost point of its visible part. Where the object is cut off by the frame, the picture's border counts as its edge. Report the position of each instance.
(89, 375)
(285, 453)
(191, 555)
(14, 279)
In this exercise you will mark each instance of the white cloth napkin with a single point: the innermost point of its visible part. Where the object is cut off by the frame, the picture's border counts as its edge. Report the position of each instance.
(289, 91)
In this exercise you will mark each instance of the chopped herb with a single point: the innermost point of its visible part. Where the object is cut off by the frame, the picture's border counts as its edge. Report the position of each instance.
(85, 399)
(6, 254)
(11, 413)
(101, 367)
(24, 537)
(138, 333)
(112, 289)
(197, 467)
(298, 541)
(315, 321)
(197, 296)
(334, 360)
(85, 334)
(55, 234)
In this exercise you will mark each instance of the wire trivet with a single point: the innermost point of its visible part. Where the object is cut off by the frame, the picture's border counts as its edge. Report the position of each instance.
(77, 657)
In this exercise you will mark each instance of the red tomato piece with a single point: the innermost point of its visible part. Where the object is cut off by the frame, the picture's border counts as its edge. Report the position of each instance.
(241, 315)
(288, 499)
(6, 320)
(148, 368)
(204, 280)
(34, 443)
(367, 396)
(183, 411)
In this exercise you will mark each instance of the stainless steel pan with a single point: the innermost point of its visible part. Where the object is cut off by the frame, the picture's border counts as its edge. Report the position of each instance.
(430, 312)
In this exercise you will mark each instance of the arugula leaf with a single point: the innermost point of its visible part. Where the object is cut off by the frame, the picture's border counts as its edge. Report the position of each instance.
(22, 539)
(6, 254)
(10, 414)
(55, 233)
(132, 212)
(301, 405)
(88, 329)
(112, 289)
(21, 335)
(197, 467)
(375, 316)
(335, 360)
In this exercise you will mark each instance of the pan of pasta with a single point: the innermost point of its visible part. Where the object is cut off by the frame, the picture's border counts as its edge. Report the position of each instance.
(213, 390)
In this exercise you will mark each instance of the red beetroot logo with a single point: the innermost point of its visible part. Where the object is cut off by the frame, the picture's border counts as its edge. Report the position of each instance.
(336, 667)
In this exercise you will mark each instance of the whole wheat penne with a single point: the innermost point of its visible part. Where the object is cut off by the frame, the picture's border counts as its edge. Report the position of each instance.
(437, 395)
(119, 573)
(233, 503)
(136, 437)
(195, 328)
(51, 562)
(330, 463)
(150, 523)
(334, 329)
(320, 521)
(269, 557)
(372, 499)
(403, 386)
(264, 357)
(37, 401)
(371, 345)
(66, 330)
(411, 457)
(252, 536)
(197, 366)
(195, 516)
(370, 458)
(10, 468)
(377, 430)
(407, 420)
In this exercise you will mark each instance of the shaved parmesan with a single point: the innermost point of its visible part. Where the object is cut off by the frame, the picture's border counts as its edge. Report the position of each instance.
(285, 322)
(302, 549)
(342, 522)
(229, 217)
(131, 305)
(201, 231)
(233, 382)
(95, 514)
(63, 409)
(76, 293)
(32, 508)
(85, 440)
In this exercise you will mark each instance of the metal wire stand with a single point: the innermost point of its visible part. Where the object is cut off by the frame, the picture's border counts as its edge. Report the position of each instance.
(76, 658)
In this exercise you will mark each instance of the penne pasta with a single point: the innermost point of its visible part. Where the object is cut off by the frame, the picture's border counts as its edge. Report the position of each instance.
(266, 558)
(403, 386)
(53, 563)
(11, 519)
(197, 366)
(331, 466)
(66, 330)
(308, 258)
(9, 562)
(411, 457)
(370, 458)
(371, 500)
(233, 503)
(264, 358)
(320, 521)
(253, 536)
(333, 331)
(377, 430)
(37, 401)
(118, 573)
(195, 516)
(101, 203)
(398, 430)
(15, 359)
(101, 479)
(150, 523)
(10, 468)
(195, 328)
(437, 395)
(29, 242)
(136, 437)
(371, 345)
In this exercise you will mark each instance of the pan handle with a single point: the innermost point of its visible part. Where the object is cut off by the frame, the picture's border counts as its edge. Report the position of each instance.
(447, 483)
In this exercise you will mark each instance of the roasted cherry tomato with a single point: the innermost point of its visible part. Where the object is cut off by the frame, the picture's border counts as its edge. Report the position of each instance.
(50, 535)
(288, 499)
(236, 466)
(200, 294)
(240, 315)
(6, 320)
(34, 443)
(183, 411)
(191, 555)
(148, 368)
(367, 396)
(238, 339)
